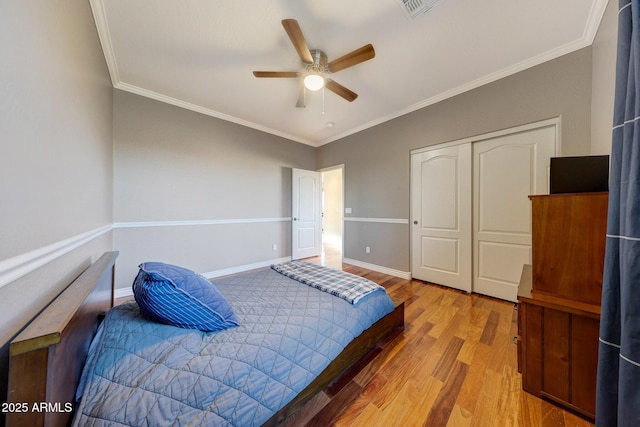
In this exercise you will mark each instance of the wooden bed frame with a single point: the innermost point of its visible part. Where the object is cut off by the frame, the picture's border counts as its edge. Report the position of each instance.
(46, 359)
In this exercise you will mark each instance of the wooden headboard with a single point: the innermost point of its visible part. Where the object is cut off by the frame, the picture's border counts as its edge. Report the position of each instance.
(46, 359)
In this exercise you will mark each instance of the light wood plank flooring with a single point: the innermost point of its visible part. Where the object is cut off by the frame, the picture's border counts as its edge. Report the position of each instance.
(454, 365)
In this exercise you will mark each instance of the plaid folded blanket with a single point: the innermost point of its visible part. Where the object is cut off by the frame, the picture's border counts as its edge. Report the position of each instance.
(344, 285)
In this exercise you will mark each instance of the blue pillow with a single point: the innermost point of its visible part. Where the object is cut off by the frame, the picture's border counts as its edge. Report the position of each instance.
(180, 297)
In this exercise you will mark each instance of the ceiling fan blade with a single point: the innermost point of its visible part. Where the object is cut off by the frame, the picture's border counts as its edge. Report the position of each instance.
(295, 34)
(353, 58)
(286, 74)
(340, 90)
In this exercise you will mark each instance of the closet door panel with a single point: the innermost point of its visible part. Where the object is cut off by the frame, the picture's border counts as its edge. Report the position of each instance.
(441, 216)
(506, 170)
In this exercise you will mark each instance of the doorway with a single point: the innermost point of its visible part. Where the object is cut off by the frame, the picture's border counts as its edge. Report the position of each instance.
(332, 215)
(306, 214)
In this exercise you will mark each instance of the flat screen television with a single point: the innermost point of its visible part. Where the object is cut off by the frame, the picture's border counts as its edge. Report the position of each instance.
(579, 174)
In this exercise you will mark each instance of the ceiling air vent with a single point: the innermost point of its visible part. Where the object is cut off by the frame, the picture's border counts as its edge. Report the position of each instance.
(414, 8)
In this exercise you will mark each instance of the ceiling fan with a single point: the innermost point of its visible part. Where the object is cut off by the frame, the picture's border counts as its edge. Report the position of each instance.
(316, 67)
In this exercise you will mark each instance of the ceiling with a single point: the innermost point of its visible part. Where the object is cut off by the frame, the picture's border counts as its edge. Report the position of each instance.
(200, 54)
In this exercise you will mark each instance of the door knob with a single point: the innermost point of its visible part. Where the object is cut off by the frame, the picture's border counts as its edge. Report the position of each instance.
(415, 222)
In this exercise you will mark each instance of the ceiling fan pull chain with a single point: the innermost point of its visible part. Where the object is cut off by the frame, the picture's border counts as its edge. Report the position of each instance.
(323, 101)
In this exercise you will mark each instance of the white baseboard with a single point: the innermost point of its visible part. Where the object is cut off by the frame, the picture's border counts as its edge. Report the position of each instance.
(245, 267)
(128, 291)
(123, 292)
(378, 268)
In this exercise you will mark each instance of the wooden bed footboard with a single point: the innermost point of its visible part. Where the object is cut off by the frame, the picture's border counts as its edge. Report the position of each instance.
(46, 359)
(391, 324)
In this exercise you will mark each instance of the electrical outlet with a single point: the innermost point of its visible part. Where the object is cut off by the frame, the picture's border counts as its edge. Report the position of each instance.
(274, 247)
(367, 249)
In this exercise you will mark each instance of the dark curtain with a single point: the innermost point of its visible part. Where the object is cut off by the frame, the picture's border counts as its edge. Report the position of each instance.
(618, 384)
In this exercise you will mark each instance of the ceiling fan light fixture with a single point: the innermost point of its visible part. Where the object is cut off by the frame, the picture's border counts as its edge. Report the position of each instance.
(316, 67)
(314, 82)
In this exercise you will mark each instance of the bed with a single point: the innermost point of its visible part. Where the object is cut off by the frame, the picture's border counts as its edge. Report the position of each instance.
(48, 357)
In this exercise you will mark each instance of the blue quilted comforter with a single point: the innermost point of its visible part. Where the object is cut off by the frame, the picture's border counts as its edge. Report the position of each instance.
(142, 373)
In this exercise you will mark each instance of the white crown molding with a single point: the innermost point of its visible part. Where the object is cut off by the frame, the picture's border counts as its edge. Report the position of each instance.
(97, 7)
(598, 9)
(490, 78)
(99, 15)
(144, 224)
(207, 111)
(13, 268)
(380, 269)
(591, 28)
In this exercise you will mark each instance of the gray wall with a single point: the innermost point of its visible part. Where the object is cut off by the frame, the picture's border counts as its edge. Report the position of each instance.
(61, 125)
(377, 160)
(603, 82)
(55, 155)
(174, 165)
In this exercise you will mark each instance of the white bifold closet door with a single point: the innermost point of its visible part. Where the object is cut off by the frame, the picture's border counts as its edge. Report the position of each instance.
(506, 170)
(441, 216)
(471, 216)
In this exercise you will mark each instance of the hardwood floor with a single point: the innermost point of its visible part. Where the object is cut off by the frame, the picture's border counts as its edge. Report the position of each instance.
(454, 365)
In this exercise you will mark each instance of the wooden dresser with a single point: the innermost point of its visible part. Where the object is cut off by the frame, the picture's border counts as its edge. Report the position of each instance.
(559, 299)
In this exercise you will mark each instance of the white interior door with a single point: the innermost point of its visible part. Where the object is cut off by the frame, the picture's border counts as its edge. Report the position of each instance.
(441, 216)
(306, 221)
(506, 170)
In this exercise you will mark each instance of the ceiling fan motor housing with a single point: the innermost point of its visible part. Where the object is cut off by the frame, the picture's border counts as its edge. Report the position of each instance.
(319, 65)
